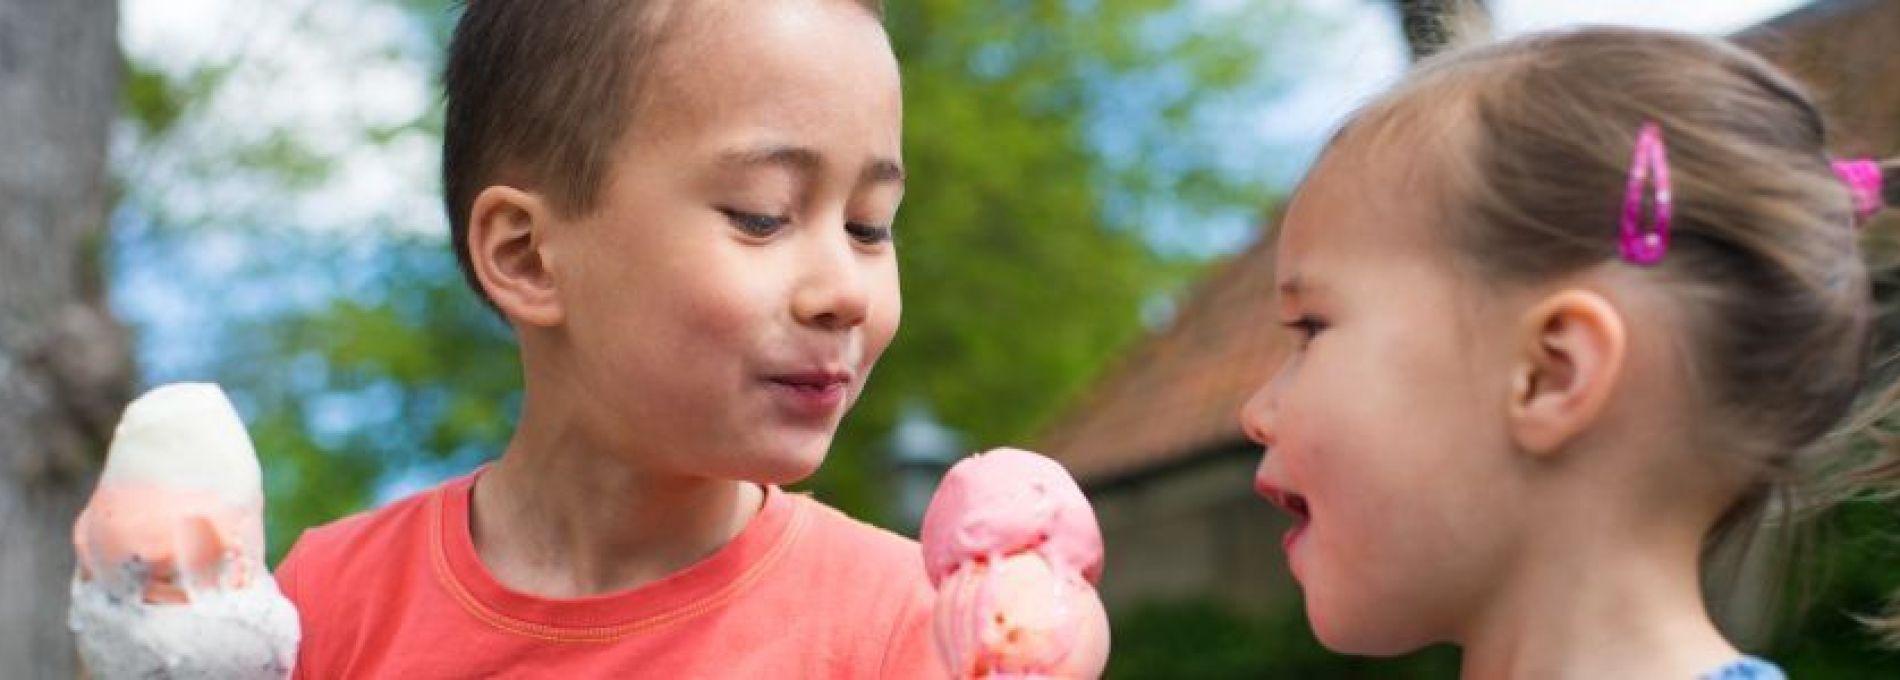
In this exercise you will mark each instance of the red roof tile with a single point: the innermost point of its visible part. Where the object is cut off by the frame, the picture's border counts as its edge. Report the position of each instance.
(1844, 51)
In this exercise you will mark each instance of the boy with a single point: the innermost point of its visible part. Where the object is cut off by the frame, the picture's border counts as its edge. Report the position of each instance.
(684, 210)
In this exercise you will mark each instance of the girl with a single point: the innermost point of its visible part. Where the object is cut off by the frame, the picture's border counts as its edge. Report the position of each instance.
(1570, 309)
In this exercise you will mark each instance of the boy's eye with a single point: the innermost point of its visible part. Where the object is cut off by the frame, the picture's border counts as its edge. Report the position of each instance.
(754, 224)
(868, 234)
(1307, 326)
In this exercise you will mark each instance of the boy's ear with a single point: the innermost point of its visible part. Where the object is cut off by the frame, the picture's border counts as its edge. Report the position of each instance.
(1571, 351)
(507, 242)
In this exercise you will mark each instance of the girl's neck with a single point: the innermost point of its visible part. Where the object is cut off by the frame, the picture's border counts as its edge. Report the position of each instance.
(1598, 598)
(563, 514)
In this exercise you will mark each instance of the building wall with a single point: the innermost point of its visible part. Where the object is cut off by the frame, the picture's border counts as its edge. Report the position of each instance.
(1193, 530)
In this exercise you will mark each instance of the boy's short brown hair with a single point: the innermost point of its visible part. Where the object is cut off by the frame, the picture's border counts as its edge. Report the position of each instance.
(539, 93)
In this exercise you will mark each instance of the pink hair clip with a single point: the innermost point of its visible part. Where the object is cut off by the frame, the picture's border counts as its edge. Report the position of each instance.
(1650, 165)
(1863, 182)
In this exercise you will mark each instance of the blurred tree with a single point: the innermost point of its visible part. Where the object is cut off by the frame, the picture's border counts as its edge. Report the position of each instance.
(65, 365)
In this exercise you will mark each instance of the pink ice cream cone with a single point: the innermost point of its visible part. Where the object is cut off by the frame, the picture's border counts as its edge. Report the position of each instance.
(1012, 546)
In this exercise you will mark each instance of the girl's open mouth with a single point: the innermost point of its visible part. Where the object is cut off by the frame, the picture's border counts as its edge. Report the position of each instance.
(1293, 504)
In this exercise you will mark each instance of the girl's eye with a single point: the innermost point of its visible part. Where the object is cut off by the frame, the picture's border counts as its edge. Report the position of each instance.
(754, 224)
(1307, 326)
(868, 234)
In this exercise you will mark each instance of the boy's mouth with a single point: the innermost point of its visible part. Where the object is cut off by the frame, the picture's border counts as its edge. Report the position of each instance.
(814, 381)
(815, 394)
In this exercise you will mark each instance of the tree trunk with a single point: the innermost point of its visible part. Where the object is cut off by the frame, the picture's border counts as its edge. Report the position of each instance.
(1432, 25)
(65, 366)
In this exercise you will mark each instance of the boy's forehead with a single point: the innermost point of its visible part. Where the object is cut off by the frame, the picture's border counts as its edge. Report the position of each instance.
(688, 36)
(725, 59)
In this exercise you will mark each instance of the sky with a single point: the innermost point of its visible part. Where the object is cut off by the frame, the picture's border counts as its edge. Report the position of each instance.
(1366, 55)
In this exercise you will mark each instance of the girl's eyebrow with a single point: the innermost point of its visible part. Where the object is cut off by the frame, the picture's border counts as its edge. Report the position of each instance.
(1299, 289)
(1292, 286)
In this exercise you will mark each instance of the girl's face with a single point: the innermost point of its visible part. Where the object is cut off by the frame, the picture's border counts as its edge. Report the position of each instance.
(1385, 428)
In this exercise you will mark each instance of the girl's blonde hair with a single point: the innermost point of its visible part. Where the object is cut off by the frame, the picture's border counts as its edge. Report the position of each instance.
(1530, 144)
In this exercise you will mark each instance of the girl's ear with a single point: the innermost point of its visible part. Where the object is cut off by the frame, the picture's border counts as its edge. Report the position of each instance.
(1571, 348)
(507, 238)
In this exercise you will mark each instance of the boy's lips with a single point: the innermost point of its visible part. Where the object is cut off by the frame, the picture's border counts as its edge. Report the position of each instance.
(813, 393)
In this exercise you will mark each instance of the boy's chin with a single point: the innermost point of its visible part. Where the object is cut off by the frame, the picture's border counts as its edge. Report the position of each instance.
(785, 466)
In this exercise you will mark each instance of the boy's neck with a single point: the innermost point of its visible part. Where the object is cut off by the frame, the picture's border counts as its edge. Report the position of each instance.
(558, 518)
(1599, 598)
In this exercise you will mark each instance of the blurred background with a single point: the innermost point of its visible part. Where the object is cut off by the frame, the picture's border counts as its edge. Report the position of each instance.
(246, 192)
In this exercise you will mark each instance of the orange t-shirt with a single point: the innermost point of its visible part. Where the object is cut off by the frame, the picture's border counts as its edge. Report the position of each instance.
(802, 592)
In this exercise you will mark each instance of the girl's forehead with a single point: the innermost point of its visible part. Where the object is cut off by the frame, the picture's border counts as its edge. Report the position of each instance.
(1357, 206)
(1390, 176)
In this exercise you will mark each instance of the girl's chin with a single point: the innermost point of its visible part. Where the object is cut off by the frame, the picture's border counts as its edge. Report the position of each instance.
(1360, 637)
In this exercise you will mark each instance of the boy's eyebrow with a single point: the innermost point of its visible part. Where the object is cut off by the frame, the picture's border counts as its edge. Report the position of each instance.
(796, 158)
(883, 171)
(806, 160)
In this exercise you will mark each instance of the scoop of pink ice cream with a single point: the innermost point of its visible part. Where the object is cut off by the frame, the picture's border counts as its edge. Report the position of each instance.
(1006, 501)
(1020, 618)
(1012, 546)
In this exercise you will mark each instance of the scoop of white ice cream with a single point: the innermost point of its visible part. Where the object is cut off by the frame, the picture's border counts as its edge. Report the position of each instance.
(246, 634)
(185, 436)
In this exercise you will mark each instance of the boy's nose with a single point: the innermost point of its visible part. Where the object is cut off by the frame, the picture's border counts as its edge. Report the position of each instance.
(834, 292)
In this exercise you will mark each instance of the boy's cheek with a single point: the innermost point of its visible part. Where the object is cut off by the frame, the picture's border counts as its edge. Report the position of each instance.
(887, 313)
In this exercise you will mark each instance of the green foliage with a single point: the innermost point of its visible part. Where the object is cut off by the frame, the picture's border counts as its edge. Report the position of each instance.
(1022, 278)
(1848, 574)
(1202, 639)
(156, 101)
(403, 372)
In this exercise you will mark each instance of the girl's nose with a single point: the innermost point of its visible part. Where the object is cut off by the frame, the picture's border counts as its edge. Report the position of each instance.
(1257, 416)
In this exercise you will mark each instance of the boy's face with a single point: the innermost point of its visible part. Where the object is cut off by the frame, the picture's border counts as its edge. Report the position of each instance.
(725, 304)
